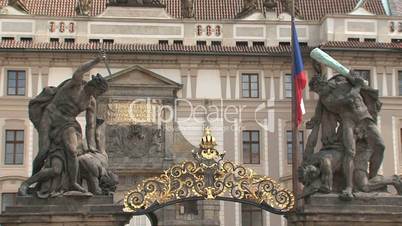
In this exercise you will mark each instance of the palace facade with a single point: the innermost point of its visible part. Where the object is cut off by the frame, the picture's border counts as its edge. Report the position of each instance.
(228, 62)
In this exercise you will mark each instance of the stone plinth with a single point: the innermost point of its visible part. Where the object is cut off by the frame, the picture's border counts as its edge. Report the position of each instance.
(364, 210)
(65, 211)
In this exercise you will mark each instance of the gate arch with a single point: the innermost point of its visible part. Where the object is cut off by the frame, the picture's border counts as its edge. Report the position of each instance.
(208, 177)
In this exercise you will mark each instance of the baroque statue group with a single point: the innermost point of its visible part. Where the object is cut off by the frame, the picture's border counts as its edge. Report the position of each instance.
(67, 164)
(348, 161)
(352, 149)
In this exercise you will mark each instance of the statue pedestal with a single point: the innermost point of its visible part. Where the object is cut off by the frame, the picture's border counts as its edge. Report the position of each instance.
(65, 211)
(365, 210)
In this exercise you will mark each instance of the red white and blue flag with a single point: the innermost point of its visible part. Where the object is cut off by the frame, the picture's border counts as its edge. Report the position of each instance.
(300, 78)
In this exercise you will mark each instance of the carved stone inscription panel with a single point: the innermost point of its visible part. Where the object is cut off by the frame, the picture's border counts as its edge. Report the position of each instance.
(135, 146)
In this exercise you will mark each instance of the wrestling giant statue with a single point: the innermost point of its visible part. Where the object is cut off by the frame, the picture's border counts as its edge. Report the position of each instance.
(53, 113)
(352, 146)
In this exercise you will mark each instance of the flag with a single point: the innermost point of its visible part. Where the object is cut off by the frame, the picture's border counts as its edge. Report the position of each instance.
(300, 78)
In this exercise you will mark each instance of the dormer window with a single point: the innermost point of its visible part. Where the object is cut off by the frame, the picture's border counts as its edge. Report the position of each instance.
(216, 43)
(94, 40)
(108, 41)
(201, 43)
(26, 39)
(177, 42)
(242, 44)
(353, 39)
(370, 40)
(69, 40)
(7, 39)
(134, 3)
(258, 43)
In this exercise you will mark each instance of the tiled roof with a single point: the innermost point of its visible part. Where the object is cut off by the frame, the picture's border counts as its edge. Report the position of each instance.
(361, 45)
(396, 7)
(207, 9)
(10, 45)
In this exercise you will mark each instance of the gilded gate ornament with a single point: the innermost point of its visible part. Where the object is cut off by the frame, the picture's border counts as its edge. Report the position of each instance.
(209, 177)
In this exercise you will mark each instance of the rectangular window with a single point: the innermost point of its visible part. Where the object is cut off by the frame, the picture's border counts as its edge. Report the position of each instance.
(287, 85)
(26, 39)
(201, 43)
(108, 41)
(258, 43)
(16, 83)
(94, 40)
(284, 43)
(163, 42)
(7, 199)
(69, 40)
(250, 85)
(396, 40)
(14, 147)
(354, 39)
(54, 40)
(242, 44)
(251, 147)
(370, 40)
(289, 142)
(216, 43)
(365, 74)
(177, 42)
(7, 39)
(251, 215)
(400, 82)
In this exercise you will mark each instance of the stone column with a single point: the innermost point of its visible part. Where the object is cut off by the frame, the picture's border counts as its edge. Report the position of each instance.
(35, 73)
(45, 76)
(193, 76)
(184, 78)
(234, 92)
(225, 83)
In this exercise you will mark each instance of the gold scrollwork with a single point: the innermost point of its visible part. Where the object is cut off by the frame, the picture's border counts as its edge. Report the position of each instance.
(209, 178)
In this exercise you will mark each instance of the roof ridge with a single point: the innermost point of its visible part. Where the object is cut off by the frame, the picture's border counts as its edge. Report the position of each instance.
(207, 9)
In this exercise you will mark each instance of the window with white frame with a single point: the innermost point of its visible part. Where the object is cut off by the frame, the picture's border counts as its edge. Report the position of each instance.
(250, 85)
(287, 85)
(251, 147)
(16, 80)
(14, 147)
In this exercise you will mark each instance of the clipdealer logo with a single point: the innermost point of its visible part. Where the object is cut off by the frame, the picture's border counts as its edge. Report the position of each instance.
(204, 111)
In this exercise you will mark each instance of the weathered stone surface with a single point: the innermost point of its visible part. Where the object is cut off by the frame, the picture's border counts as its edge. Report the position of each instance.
(379, 209)
(62, 211)
(62, 162)
(352, 147)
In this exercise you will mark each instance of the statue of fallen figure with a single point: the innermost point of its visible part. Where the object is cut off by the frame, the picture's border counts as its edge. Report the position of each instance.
(318, 170)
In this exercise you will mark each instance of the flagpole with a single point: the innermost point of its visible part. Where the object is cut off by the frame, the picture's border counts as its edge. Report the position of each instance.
(295, 132)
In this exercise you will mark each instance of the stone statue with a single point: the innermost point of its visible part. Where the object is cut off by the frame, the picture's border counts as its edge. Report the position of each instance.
(341, 96)
(94, 165)
(135, 3)
(83, 7)
(250, 4)
(270, 5)
(249, 7)
(187, 8)
(53, 113)
(346, 112)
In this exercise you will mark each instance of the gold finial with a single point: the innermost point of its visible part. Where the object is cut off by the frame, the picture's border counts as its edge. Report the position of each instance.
(207, 141)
